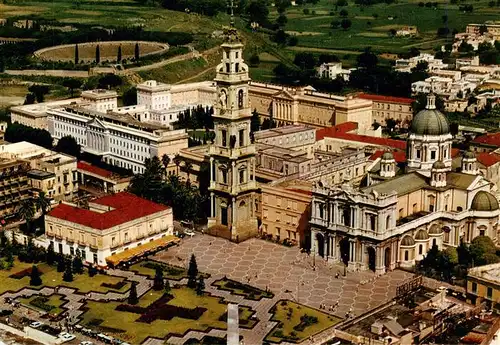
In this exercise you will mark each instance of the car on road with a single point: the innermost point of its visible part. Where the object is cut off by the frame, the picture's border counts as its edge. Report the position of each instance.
(65, 336)
(35, 324)
(189, 232)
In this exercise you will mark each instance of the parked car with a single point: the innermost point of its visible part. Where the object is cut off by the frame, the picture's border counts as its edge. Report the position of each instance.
(65, 336)
(36, 324)
(189, 232)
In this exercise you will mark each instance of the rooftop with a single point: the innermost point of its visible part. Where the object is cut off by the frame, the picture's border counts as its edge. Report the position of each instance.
(337, 134)
(492, 139)
(388, 99)
(274, 132)
(89, 168)
(40, 174)
(341, 128)
(488, 158)
(99, 93)
(490, 273)
(122, 208)
(26, 150)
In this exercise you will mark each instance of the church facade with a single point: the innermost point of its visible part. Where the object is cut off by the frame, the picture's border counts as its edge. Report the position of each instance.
(400, 212)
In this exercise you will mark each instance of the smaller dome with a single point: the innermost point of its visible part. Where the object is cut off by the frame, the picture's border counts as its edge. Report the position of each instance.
(435, 230)
(408, 241)
(438, 165)
(387, 156)
(421, 235)
(484, 201)
(469, 155)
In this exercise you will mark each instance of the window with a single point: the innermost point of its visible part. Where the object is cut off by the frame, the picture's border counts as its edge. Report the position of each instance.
(489, 292)
(406, 255)
(481, 232)
(420, 249)
(433, 154)
(278, 202)
(60, 248)
(224, 176)
(241, 137)
(95, 258)
(242, 176)
(223, 215)
(474, 287)
(418, 154)
(224, 137)
(71, 251)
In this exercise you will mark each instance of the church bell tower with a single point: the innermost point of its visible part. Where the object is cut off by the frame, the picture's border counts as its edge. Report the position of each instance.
(233, 190)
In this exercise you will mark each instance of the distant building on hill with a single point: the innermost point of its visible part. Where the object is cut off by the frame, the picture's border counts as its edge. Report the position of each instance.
(333, 70)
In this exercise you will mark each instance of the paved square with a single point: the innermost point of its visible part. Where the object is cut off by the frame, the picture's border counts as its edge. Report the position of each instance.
(285, 271)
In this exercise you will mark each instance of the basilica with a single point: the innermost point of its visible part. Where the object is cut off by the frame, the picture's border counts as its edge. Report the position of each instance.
(401, 210)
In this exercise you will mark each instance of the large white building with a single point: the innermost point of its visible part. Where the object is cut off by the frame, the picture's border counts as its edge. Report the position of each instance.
(332, 70)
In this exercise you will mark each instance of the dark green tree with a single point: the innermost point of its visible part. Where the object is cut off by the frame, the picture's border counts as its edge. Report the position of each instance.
(35, 279)
(110, 81)
(77, 265)
(158, 283)
(77, 58)
(483, 251)
(69, 146)
(367, 59)
(30, 98)
(254, 60)
(255, 121)
(192, 272)
(343, 13)
(72, 84)
(17, 132)
(130, 96)
(50, 256)
(26, 211)
(119, 54)
(97, 54)
(136, 52)
(132, 296)
(282, 20)
(68, 273)
(200, 286)
(345, 23)
(258, 11)
(39, 91)
(92, 270)
(61, 263)
(167, 286)
(42, 203)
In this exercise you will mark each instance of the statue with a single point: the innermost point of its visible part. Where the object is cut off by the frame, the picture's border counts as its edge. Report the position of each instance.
(223, 99)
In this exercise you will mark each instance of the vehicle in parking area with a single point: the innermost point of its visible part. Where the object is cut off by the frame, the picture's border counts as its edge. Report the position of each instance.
(36, 324)
(85, 342)
(189, 232)
(65, 336)
(104, 338)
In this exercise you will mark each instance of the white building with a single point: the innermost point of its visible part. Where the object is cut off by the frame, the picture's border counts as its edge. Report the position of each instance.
(446, 87)
(332, 70)
(405, 65)
(118, 138)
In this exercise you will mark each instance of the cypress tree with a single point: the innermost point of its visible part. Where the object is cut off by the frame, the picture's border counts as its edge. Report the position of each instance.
(132, 297)
(97, 54)
(167, 286)
(77, 265)
(158, 280)
(119, 54)
(68, 274)
(200, 286)
(35, 279)
(61, 264)
(137, 53)
(50, 256)
(192, 272)
(77, 58)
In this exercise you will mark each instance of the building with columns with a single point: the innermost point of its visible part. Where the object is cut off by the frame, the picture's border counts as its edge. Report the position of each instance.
(233, 189)
(392, 221)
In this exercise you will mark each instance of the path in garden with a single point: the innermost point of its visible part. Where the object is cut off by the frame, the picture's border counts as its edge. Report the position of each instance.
(286, 272)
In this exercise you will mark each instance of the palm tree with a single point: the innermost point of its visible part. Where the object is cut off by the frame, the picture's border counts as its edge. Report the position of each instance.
(26, 211)
(165, 159)
(188, 166)
(177, 161)
(42, 203)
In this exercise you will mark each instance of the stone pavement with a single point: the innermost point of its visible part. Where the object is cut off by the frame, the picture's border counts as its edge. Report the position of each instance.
(285, 271)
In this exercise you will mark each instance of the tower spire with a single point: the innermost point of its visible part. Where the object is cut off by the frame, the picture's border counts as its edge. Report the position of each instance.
(231, 8)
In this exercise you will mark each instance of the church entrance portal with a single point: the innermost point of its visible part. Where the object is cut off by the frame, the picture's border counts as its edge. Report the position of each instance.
(344, 250)
(320, 244)
(371, 258)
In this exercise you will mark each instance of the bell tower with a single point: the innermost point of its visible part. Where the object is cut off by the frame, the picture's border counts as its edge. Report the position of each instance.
(233, 190)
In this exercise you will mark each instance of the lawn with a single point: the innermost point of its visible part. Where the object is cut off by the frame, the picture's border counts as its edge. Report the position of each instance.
(237, 288)
(124, 324)
(51, 304)
(291, 317)
(52, 278)
(148, 268)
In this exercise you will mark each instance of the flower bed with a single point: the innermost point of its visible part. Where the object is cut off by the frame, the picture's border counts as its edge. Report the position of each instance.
(237, 288)
(24, 273)
(114, 286)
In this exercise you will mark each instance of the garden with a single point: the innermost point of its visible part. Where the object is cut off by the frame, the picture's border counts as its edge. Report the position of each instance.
(297, 322)
(245, 290)
(52, 305)
(159, 314)
(148, 268)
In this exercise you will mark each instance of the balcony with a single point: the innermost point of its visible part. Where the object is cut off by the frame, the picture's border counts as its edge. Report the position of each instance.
(93, 246)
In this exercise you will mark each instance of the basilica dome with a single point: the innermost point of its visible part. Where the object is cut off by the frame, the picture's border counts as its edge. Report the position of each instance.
(430, 121)
(484, 201)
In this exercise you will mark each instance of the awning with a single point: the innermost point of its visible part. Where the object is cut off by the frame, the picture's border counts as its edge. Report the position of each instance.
(142, 249)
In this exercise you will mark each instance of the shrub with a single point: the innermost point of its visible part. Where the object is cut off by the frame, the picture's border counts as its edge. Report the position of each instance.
(41, 303)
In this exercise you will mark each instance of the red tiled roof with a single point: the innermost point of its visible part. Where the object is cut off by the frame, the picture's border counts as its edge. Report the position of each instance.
(488, 139)
(397, 144)
(341, 128)
(399, 156)
(390, 99)
(124, 207)
(93, 169)
(488, 158)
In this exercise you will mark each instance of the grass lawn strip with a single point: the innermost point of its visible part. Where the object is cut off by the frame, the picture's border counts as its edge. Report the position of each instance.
(148, 268)
(51, 278)
(50, 304)
(288, 328)
(237, 288)
(135, 332)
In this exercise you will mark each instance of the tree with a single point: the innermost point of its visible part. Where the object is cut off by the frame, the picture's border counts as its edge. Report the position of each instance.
(343, 13)
(109, 81)
(483, 29)
(305, 60)
(391, 124)
(35, 279)
(26, 211)
(136, 52)
(77, 59)
(192, 272)
(342, 3)
(367, 59)
(68, 273)
(177, 162)
(42, 203)
(293, 41)
(280, 37)
(200, 286)
(345, 24)
(167, 286)
(465, 47)
(132, 296)
(158, 279)
(17, 132)
(92, 270)
(130, 96)
(30, 98)
(77, 265)
(258, 11)
(254, 60)
(255, 121)
(188, 166)
(97, 55)
(69, 146)
(165, 159)
(481, 249)
(61, 263)
(72, 84)
(119, 54)
(282, 20)
(50, 256)
(39, 91)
